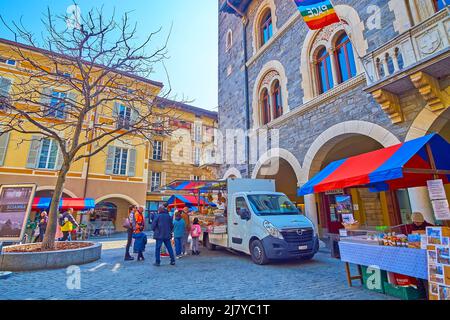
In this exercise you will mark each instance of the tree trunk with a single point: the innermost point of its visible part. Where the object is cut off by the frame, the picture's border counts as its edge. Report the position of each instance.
(49, 239)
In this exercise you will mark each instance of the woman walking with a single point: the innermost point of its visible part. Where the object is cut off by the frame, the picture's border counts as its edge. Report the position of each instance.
(43, 220)
(179, 227)
(196, 231)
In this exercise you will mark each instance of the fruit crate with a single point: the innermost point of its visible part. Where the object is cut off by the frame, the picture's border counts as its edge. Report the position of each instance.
(383, 276)
(404, 293)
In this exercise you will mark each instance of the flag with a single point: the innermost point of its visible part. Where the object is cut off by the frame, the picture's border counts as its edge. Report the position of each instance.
(317, 13)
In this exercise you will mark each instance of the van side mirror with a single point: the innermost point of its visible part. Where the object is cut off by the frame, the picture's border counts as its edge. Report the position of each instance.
(245, 214)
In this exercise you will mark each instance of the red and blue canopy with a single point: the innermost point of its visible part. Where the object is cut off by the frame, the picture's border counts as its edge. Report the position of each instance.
(188, 201)
(64, 204)
(401, 166)
(189, 185)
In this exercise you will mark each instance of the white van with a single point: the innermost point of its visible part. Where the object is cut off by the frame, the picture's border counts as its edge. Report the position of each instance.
(264, 224)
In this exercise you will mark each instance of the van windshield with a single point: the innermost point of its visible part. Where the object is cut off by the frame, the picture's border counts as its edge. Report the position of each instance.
(272, 205)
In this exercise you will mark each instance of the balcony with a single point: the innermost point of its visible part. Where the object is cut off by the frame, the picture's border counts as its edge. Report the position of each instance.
(415, 60)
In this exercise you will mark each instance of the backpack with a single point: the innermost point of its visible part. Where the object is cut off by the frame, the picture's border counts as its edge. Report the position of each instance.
(196, 231)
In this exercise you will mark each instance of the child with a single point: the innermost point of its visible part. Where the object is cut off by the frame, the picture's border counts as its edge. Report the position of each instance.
(140, 238)
(196, 231)
(179, 227)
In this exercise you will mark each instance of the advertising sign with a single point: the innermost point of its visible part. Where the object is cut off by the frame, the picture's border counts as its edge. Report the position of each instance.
(15, 207)
(438, 199)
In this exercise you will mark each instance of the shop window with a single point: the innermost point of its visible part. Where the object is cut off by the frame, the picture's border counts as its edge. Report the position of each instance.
(276, 100)
(265, 107)
(345, 58)
(266, 27)
(324, 71)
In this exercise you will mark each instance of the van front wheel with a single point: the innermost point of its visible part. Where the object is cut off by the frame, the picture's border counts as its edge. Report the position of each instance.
(258, 253)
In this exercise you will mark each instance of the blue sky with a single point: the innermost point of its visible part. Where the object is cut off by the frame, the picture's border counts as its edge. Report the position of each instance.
(192, 66)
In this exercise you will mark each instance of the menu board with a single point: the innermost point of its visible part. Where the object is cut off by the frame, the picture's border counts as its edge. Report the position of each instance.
(438, 253)
(15, 207)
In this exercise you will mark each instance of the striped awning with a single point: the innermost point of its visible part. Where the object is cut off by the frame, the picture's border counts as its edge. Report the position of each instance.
(401, 166)
(189, 185)
(188, 201)
(65, 203)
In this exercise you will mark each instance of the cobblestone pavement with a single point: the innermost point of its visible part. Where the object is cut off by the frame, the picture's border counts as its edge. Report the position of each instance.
(212, 275)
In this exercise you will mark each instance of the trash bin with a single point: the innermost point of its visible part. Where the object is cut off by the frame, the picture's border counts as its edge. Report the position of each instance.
(334, 246)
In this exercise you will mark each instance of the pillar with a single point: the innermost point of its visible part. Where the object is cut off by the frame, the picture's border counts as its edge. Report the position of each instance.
(420, 202)
(311, 210)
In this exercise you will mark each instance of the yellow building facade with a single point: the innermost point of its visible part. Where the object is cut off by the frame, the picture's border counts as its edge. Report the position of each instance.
(116, 177)
(188, 153)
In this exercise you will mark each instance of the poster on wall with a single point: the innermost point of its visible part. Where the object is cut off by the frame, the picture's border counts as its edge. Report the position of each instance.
(15, 208)
(438, 199)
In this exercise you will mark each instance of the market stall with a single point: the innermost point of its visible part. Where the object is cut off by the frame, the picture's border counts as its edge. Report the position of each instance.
(205, 201)
(420, 162)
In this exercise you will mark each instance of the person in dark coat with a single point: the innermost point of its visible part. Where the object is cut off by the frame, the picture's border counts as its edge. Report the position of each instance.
(43, 220)
(162, 227)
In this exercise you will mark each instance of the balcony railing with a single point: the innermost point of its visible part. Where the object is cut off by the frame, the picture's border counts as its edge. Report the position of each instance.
(421, 42)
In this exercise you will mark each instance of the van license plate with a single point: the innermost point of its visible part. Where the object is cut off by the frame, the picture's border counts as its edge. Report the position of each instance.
(303, 248)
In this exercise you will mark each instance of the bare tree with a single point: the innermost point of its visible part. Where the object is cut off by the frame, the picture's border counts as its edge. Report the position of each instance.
(100, 72)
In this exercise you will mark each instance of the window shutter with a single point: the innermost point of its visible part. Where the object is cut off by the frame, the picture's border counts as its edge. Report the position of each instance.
(110, 160)
(165, 150)
(5, 86)
(33, 153)
(163, 179)
(192, 131)
(132, 163)
(115, 111)
(60, 158)
(72, 99)
(4, 139)
(134, 116)
(46, 97)
(150, 174)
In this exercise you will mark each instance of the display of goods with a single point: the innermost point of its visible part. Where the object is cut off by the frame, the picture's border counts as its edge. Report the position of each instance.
(351, 226)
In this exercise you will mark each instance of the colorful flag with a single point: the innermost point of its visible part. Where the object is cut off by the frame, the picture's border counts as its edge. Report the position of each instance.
(317, 13)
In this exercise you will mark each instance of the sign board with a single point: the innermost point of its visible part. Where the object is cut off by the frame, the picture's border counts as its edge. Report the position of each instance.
(436, 189)
(439, 200)
(438, 248)
(15, 208)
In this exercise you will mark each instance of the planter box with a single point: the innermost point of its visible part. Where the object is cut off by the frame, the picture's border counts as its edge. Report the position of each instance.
(30, 261)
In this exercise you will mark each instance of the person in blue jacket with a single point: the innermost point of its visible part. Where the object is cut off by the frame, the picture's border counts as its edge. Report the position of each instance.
(179, 228)
(140, 241)
(162, 227)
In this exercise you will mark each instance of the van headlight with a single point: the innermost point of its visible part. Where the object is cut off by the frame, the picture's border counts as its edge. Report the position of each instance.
(274, 232)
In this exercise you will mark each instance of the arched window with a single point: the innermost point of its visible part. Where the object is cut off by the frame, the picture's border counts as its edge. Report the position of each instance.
(229, 40)
(265, 107)
(345, 58)
(276, 100)
(266, 28)
(324, 71)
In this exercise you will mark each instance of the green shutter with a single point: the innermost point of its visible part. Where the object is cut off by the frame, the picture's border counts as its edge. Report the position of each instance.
(33, 153)
(134, 116)
(115, 111)
(46, 97)
(110, 160)
(5, 86)
(4, 138)
(60, 159)
(132, 163)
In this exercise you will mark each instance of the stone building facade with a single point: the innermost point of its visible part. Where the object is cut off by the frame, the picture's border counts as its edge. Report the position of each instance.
(399, 70)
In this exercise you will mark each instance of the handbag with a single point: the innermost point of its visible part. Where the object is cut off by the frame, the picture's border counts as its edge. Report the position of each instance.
(126, 223)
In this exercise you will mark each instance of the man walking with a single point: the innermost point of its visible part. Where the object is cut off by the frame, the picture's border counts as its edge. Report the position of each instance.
(187, 224)
(129, 224)
(162, 227)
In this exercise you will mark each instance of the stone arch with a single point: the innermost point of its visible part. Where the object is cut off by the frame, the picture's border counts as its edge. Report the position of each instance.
(352, 25)
(320, 147)
(423, 123)
(232, 172)
(277, 153)
(51, 188)
(273, 65)
(120, 196)
(266, 4)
